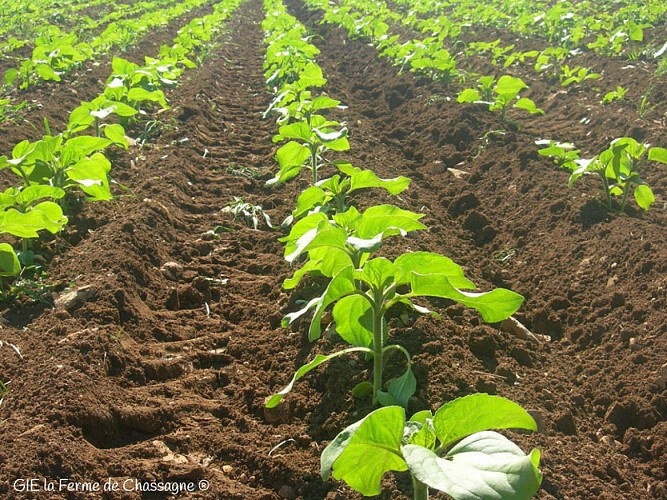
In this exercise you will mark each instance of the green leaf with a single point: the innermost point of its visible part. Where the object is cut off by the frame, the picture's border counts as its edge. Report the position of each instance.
(366, 450)
(9, 262)
(388, 219)
(32, 193)
(47, 73)
(362, 390)
(362, 179)
(91, 176)
(274, 400)
(10, 76)
(478, 412)
(298, 130)
(528, 105)
(138, 94)
(431, 263)
(377, 273)
(509, 86)
(494, 306)
(469, 95)
(46, 216)
(658, 154)
(644, 196)
(308, 200)
(116, 134)
(340, 286)
(403, 388)
(291, 158)
(484, 465)
(354, 320)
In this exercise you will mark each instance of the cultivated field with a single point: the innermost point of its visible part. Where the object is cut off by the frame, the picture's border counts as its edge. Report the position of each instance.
(154, 303)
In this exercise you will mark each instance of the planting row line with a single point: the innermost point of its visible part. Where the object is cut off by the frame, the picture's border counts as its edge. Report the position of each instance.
(572, 25)
(618, 166)
(56, 54)
(336, 246)
(82, 26)
(59, 168)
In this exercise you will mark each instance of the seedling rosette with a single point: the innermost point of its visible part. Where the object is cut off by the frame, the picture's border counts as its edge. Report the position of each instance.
(453, 450)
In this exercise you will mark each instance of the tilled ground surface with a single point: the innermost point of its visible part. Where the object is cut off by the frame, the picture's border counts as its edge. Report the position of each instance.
(160, 374)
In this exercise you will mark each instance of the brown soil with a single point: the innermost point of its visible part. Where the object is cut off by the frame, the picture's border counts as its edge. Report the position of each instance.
(162, 378)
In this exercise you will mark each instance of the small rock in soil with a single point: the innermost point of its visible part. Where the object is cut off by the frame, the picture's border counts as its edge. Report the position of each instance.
(75, 298)
(172, 270)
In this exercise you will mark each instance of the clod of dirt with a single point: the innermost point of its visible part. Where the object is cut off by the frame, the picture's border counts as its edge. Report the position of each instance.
(565, 423)
(75, 298)
(172, 270)
(277, 415)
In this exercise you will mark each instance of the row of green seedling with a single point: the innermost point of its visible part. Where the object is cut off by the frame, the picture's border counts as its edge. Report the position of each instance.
(57, 53)
(28, 30)
(337, 244)
(61, 167)
(573, 26)
(369, 20)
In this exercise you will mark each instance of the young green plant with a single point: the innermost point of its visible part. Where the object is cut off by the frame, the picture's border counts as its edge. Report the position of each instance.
(453, 451)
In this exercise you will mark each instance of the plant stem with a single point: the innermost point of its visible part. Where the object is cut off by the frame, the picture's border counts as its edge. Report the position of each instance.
(419, 489)
(313, 162)
(378, 356)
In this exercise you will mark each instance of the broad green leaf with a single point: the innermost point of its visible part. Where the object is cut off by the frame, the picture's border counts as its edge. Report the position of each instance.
(341, 285)
(510, 86)
(485, 465)
(341, 144)
(35, 192)
(80, 119)
(431, 263)
(366, 450)
(478, 412)
(91, 176)
(469, 95)
(46, 216)
(388, 220)
(138, 94)
(323, 102)
(644, 196)
(274, 400)
(116, 134)
(403, 388)
(658, 154)
(291, 158)
(362, 390)
(298, 130)
(85, 145)
(327, 137)
(10, 76)
(528, 105)
(9, 262)
(310, 266)
(377, 273)
(308, 200)
(361, 179)
(494, 306)
(47, 73)
(305, 228)
(354, 320)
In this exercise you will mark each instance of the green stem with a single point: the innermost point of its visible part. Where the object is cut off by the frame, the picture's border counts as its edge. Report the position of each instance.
(378, 350)
(313, 162)
(419, 489)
